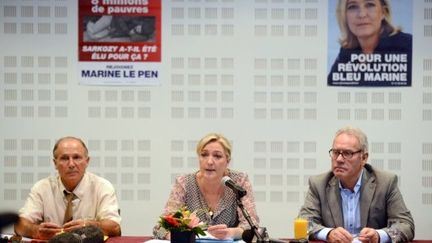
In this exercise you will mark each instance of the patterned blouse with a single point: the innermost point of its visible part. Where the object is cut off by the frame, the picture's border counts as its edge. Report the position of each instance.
(186, 192)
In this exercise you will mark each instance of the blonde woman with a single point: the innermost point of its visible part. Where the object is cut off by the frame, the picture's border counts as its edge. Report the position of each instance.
(203, 191)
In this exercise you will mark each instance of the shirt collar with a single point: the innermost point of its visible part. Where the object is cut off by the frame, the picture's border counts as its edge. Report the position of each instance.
(357, 185)
(79, 189)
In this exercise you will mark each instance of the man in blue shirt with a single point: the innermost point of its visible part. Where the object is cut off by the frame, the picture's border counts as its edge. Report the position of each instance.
(355, 200)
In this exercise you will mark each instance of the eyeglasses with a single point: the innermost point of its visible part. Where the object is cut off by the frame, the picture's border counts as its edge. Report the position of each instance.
(346, 154)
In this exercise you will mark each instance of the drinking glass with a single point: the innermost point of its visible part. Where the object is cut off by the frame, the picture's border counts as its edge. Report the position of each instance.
(300, 228)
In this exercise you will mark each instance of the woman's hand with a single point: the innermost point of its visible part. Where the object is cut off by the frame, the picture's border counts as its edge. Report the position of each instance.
(220, 231)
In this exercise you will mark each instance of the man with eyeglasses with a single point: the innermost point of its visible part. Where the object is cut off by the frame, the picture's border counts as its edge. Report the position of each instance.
(355, 201)
(70, 200)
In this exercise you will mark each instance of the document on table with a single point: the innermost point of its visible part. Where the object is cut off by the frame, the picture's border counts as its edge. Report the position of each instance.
(203, 239)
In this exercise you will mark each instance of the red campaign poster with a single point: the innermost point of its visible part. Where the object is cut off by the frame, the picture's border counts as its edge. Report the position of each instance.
(119, 42)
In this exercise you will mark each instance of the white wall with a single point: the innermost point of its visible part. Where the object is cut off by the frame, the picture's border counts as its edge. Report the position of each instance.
(266, 91)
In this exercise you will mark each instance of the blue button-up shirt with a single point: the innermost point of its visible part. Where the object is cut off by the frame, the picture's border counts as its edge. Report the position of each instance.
(351, 207)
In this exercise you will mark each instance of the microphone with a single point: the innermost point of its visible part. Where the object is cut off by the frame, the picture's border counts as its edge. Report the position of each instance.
(227, 181)
(248, 236)
(86, 234)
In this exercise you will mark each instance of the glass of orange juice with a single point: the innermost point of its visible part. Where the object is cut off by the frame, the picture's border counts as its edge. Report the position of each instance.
(300, 228)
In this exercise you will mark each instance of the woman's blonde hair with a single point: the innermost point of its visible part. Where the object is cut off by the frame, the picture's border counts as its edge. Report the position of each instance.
(348, 39)
(215, 137)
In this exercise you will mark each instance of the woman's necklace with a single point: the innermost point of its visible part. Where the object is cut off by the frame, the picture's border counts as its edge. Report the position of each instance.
(212, 193)
(212, 199)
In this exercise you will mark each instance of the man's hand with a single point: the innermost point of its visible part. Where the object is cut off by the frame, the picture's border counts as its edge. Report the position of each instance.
(74, 224)
(47, 230)
(368, 235)
(339, 235)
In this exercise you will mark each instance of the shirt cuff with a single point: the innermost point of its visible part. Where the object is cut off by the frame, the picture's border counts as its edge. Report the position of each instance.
(322, 234)
(384, 237)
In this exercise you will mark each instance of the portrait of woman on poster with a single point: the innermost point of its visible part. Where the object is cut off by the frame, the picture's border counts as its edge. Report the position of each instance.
(366, 28)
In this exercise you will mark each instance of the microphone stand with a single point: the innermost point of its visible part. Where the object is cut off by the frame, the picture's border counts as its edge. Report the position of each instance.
(261, 238)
